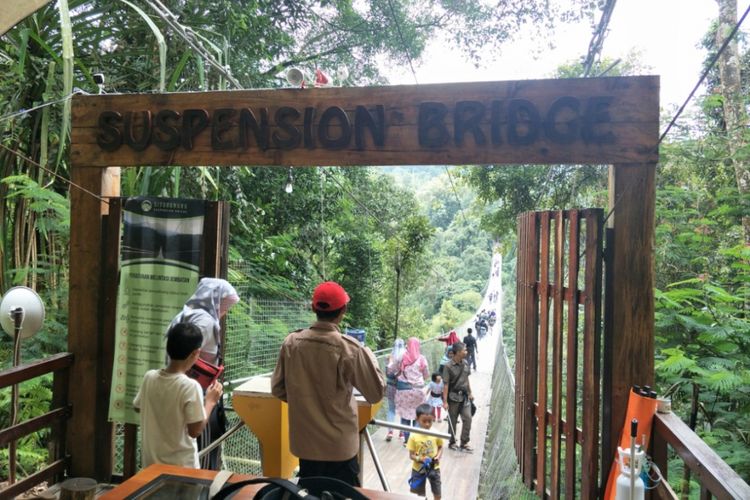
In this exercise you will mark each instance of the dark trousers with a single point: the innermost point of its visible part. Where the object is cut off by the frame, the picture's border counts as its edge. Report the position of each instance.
(454, 410)
(345, 470)
(217, 425)
(471, 359)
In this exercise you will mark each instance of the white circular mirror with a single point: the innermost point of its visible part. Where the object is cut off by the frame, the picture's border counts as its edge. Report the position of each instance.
(28, 302)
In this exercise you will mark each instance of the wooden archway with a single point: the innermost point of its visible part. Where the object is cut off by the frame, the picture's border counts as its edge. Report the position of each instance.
(612, 121)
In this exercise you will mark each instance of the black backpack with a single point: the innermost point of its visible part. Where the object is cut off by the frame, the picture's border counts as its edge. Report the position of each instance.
(281, 489)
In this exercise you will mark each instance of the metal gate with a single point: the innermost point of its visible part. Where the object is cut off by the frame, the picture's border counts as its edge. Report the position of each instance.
(558, 351)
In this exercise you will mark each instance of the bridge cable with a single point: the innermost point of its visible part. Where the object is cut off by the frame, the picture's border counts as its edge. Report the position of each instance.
(703, 76)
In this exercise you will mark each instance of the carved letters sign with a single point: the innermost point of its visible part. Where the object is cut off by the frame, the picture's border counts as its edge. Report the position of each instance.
(597, 120)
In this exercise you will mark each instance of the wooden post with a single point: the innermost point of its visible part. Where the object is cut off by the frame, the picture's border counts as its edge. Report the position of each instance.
(629, 343)
(89, 433)
(78, 488)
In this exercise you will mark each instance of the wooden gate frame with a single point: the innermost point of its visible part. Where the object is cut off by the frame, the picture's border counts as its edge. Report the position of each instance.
(559, 280)
(613, 121)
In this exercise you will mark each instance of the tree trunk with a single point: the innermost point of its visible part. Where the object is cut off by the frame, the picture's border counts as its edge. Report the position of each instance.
(692, 422)
(735, 116)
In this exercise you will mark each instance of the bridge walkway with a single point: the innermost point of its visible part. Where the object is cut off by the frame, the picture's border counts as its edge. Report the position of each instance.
(459, 471)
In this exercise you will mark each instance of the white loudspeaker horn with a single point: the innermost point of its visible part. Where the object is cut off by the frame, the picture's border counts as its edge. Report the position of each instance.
(295, 77)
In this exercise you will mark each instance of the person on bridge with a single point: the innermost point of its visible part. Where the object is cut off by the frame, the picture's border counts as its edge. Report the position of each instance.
(449, 340)
(471, 349)
(410, 384)
(457, 396)
(316, 372)
(392, 367)
(425, 452)
(209, 303)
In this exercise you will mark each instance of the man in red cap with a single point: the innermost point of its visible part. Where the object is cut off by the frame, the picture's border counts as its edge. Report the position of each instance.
(318, 368)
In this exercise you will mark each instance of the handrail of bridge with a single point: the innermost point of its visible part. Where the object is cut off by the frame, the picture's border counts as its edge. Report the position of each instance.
(715, 476)
(59, 365)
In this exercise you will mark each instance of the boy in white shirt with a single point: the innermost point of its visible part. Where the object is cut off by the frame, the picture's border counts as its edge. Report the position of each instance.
(172, 407)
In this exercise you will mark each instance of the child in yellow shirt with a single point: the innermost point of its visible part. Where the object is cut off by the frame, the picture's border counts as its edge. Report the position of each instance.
(425, 452)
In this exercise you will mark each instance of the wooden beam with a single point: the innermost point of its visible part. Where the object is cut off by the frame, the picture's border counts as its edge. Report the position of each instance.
(85, 324)
(588, 120)
(708, 468)
(630, 290)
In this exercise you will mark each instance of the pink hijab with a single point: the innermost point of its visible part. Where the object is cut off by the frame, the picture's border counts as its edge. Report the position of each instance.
(451, 339)
(412, 353)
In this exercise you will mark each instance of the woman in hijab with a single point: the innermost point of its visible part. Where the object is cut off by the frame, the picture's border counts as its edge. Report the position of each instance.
(211, 301)
(392, 369)
(449, 339)
(410, 384)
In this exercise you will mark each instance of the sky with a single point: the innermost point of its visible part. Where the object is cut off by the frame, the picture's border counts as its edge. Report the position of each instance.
(666, 33)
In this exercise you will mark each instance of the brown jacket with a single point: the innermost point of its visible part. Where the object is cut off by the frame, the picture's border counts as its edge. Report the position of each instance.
(315, 374)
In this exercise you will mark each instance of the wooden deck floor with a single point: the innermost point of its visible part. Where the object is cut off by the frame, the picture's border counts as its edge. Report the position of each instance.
(459, 471)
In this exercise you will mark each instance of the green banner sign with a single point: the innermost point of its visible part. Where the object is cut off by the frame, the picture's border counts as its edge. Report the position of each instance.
(159, 271)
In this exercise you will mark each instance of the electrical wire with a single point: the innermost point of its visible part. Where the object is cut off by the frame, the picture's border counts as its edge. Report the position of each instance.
(67, 181)
(455, 194)
(403, 42)
(40, 106)
(704, 75)
(597, 39)
(187, 34)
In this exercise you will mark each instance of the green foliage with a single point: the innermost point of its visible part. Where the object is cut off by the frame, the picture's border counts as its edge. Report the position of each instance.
(34, 398)
(703, 288)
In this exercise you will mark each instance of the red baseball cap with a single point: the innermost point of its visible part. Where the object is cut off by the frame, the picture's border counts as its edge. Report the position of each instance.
(329, 296)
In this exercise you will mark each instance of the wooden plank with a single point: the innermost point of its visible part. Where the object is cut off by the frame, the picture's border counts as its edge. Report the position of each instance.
(557, 357)
(54, 469)
(531, 348)
(519, 373)
(542, 360)
(110, 279)
(56, 444)
(130, 440)
(27, 371)
(521, 283)
(707, 467)
(571, 358)
(84, 321)
(26, 427)
(607, 442)
(591, 353)
(210, 240)
(631, 286)
(588, 120)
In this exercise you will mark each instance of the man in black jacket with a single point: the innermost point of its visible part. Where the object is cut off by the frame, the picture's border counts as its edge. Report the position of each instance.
(471, 349)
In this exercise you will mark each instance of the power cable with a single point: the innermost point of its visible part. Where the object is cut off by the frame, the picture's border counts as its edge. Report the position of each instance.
(704, 75)
(187, 34)
(40, 106)
(597, 39)
(455, 194)
(689, 97)
(67, 181)
(403, 42)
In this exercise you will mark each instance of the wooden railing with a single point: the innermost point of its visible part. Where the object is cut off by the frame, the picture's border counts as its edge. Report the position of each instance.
(716, 478)
(55, 419)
